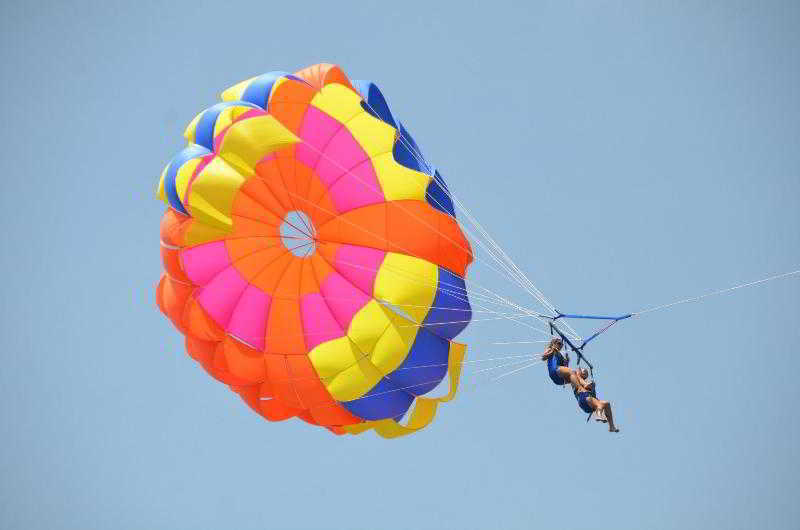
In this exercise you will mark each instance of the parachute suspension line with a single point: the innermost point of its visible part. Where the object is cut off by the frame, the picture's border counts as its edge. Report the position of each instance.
(458, 294)
(525, 312)
(424, 383)
(456, 291)
(715, 293)
(515, 371)
(500, 316)
(532, 289)
(512, 269)
(442, 308)
(472, 293)
(471, 361)
(434, 229)
(515, 273)
(517, 362)
(614, 319)
(517, 359)
(459, 291)
(357, 227)
(542, 318)
(422, 221)
(487, 244)
(496, 253)
(510, 263)
(520, 342)
(510, 273)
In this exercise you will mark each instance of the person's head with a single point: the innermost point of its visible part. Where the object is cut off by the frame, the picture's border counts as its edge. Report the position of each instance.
(584, 373)
(556, 343)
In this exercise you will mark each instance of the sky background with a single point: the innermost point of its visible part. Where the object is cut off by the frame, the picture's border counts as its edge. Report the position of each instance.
(624, 154)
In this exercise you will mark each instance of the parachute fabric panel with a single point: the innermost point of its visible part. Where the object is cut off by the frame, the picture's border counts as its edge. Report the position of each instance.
(424, 408)
(338, 324)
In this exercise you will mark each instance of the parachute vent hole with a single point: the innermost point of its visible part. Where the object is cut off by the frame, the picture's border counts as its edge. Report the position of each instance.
(298, 234)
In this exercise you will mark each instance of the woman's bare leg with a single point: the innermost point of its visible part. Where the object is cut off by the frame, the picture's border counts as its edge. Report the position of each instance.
(609, 416)
(604, 408)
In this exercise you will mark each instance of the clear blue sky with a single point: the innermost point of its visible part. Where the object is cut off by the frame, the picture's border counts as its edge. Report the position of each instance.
(625, 154)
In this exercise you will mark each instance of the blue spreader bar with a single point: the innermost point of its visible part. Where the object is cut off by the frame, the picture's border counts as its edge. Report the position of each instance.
(593, 317)
(579, 349)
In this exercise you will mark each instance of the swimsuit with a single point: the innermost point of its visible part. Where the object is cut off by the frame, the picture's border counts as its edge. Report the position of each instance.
(552, 368)
(583, 401)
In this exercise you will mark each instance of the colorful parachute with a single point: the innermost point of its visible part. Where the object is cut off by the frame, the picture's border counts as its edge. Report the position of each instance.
(312, 257)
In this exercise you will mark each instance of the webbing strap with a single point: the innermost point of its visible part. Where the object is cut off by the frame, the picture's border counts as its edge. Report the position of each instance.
(579, 349)
(574, 348)
(592, 317)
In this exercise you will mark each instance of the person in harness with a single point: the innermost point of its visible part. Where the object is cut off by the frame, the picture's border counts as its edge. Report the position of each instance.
(558, 363)
(585, 394)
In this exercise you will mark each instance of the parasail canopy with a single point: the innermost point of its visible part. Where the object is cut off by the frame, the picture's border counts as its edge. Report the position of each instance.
(312, 257)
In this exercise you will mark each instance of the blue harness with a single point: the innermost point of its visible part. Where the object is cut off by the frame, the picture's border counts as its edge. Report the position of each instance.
(553, 364)
(583, 400)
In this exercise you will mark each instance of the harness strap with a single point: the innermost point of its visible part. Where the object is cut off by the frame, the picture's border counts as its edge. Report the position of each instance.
(574, 348)
(593, 393)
